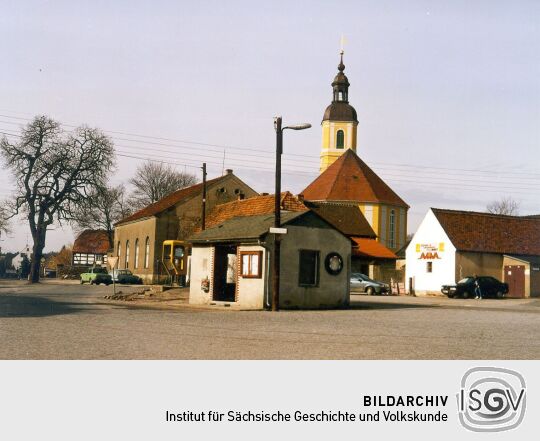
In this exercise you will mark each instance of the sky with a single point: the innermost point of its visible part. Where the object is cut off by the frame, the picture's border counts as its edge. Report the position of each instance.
(447, 92)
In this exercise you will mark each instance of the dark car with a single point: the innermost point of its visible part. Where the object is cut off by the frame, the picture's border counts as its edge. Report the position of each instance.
(361, 282)
(125, 277)
(489, 287)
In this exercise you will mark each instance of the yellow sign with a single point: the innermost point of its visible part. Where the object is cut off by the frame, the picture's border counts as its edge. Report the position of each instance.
(429, 251)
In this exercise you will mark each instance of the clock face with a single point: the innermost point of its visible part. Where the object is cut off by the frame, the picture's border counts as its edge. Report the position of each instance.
(334, 263)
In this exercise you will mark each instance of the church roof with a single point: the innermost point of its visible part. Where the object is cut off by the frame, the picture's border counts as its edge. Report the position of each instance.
(350, 179)
(340, 111)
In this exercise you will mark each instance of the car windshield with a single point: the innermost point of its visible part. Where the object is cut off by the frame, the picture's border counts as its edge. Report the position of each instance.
(465, 280)
(363, 277)
(100, 270)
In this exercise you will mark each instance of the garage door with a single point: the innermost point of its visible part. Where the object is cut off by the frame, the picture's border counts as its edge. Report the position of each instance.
(514, 275)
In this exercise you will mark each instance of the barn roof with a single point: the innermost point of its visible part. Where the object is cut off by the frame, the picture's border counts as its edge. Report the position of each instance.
(92, 242)
(490, 233)
(256, 205)
(174, 198)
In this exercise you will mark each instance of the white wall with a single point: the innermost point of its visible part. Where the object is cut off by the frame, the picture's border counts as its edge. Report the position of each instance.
(201, 267)
(250, 292)
(430, 238)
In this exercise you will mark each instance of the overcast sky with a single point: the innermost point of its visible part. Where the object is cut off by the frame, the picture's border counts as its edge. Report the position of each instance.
(447, 92)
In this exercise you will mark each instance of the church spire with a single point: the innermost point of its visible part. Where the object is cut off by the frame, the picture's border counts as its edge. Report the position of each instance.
(340, 85)
(339, 121)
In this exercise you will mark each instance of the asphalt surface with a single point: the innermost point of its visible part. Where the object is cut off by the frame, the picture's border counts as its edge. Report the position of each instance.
(68, 321)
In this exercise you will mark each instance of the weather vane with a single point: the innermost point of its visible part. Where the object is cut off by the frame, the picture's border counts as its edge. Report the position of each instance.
(342, 42)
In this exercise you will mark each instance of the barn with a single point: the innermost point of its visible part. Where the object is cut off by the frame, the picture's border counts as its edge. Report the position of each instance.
(452, 244)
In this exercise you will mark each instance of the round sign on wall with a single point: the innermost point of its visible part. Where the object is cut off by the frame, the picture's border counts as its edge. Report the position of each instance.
(333, 263)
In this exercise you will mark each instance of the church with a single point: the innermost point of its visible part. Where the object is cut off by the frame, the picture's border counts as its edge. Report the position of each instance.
(345, 179)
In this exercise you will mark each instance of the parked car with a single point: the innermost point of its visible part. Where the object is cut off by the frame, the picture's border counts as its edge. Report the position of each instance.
(361, 282)
(125, 276)
(95, 276)
(489, 286)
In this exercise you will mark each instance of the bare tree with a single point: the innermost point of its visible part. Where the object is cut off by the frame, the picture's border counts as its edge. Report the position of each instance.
(54, 172)
(153, 181)
(505, 205)
(4, 218)
(103, 207)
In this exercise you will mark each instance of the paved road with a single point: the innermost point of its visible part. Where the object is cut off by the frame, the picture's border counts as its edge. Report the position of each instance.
(51, 321)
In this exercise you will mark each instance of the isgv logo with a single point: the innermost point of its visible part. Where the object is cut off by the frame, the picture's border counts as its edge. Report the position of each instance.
(491, 399)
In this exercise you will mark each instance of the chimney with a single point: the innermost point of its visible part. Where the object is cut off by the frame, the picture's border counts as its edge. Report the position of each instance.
(229, 171)
(265, 194)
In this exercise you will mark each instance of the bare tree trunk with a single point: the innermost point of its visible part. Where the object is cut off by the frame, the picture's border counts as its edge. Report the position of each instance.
(110, 235)
(37, 254)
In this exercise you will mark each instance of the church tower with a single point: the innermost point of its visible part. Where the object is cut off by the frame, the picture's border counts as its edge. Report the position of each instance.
(339, 122)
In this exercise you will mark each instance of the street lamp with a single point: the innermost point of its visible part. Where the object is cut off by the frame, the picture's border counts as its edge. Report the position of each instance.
(277, 205)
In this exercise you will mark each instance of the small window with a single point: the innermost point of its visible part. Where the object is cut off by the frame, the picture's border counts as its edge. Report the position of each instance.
(308, 268)
(250, 262)
(429, 267)
(340, 139)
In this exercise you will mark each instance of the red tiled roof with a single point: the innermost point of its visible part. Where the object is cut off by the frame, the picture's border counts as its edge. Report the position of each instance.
(92, 242)
(256, 205)
(371, 248)
(345, 217)
(168, 201)
(350, 179)
(491, 233)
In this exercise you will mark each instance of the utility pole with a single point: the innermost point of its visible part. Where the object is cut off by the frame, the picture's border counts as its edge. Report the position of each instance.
(203, 216)
(277, 215)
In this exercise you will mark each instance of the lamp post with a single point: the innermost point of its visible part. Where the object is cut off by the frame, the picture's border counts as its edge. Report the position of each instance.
(277, 206)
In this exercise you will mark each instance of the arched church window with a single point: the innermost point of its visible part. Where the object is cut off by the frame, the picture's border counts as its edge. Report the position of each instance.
(146, 252)
(340, 139)
(136, 258)
(127, 254)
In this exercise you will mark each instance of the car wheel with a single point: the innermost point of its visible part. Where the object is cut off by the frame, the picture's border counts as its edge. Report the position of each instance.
(500, 295)
(81, 281)
(370, 291)
(450, 296)
(92, 282)
(466, 294)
